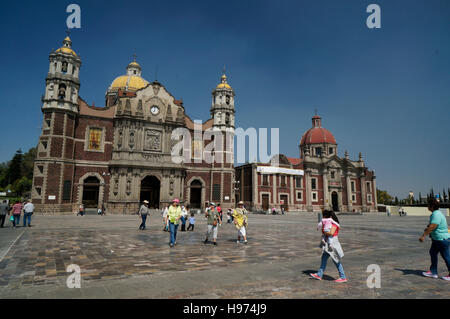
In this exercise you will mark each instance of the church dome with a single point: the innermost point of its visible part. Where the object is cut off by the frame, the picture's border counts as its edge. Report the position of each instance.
(128, 83)
(317, 134)
(223, 84)
(132, 81)
(67, 47)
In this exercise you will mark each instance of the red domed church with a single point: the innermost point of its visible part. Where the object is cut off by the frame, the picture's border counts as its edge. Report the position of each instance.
(318, 179)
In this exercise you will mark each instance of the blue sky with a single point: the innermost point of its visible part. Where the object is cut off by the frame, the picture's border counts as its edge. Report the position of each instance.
(383, 92)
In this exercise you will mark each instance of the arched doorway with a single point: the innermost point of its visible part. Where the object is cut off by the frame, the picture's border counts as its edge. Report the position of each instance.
(335, 201)
(150, 188)
(91, 190)
(195, 199)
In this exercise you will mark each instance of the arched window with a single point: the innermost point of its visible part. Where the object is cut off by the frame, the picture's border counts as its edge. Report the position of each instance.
(227, 119)
(62, 92)
(64, 67)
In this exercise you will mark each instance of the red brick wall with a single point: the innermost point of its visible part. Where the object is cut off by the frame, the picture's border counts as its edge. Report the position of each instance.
(344, 191)
(56, 146)
(68, 172)
(53, 182)
(58, 124)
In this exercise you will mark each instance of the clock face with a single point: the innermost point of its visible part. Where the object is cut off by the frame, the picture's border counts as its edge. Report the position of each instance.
(154, 109)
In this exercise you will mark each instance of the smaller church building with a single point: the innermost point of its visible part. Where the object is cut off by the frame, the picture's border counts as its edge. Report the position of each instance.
(318, 179)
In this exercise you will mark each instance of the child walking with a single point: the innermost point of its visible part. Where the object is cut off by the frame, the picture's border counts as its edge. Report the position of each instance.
(191, 222)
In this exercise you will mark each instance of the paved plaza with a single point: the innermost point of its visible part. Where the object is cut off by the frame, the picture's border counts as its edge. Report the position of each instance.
(119, 261)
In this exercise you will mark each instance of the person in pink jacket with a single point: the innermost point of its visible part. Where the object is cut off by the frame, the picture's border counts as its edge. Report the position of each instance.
(16, 211)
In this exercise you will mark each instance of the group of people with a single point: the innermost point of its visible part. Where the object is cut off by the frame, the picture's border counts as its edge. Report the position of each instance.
(185, 212)
(27, 208)
(174, 214)
(437, 230)
(100, 211)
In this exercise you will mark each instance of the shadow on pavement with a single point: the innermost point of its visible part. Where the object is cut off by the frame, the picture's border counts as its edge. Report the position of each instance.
(324, 277)
(410, 272)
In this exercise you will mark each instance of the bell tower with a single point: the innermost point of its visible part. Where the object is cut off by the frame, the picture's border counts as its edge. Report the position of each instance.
(62, 82)
(222, 108)
(54, 167)
(223, 116)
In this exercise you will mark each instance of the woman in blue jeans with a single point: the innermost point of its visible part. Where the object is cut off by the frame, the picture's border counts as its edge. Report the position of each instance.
(440, 239)
(330, 246)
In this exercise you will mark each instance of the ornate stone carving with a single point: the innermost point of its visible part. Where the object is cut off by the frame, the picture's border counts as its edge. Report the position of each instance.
(171, 187)
(156, 88)
(131, 139)
(152, 157)
(50, 90)
(116, 186)
(152, 141)
(169, 114)
(120, 139)
(128, 187)
(127, 107)
(180, 115)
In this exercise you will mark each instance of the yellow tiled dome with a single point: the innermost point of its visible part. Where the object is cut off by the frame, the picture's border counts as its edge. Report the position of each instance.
(67, 47)
(128, 83)
(224, 83)
(66, 50)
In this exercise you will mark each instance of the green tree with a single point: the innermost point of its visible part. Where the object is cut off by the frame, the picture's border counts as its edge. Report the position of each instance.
(396, 200)
(21, 186)
(15, 167)
(28, 163)
(3, 175)
(383, 197)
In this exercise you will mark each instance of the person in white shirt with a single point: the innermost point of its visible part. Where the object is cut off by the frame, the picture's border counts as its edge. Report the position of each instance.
(184, 214)
(165, 218)
(28, 210)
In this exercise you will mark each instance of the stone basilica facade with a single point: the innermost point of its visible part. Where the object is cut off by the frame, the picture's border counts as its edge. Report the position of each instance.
(120, 154)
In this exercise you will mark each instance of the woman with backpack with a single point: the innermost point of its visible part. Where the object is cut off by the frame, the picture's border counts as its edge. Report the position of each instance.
(331, 246)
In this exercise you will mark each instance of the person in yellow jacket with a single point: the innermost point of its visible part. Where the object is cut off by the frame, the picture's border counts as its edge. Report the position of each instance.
(240, 221)
(174, 216)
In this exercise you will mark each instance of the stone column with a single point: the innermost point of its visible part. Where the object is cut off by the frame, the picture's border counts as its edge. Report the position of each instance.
(292, 189)
(255, 186)
(374, 186)
(274, 188)
(363, 193)
(326, 199)
(309, 207)
(182, 187)
(349, 193)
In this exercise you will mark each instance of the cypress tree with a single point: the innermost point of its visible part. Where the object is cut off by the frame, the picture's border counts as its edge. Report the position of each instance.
(15, 167)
